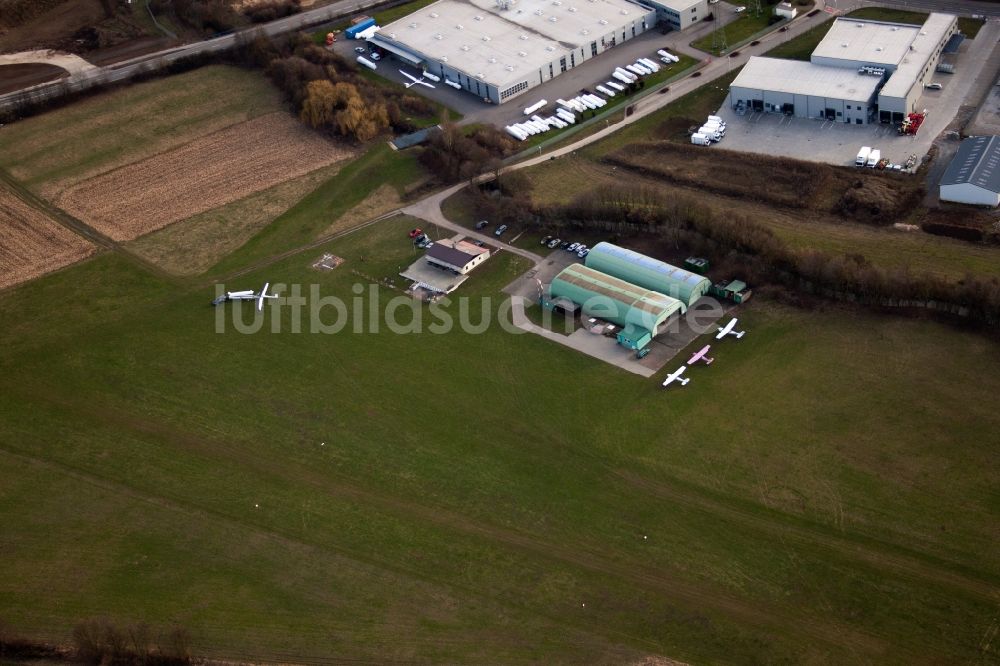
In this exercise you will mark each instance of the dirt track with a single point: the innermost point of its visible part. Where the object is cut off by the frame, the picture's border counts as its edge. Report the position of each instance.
(31, 244)
(212, 171)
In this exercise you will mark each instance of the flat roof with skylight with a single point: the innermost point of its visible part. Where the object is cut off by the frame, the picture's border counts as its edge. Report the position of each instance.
(867, 41)
(796, 77)
(503, 46)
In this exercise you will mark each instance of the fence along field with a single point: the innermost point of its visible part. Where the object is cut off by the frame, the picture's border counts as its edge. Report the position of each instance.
(212, 171)
(32, 244)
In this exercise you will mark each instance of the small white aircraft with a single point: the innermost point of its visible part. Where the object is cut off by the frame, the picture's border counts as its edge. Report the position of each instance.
(676, 377)
(701, 356)
(414, 80)
(248, 295)
(728, 330)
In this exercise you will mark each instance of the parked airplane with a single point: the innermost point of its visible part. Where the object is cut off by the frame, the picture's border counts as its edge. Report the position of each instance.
(728, 330)
(676, 377)
(701, 356)
(248, 295)
(414, 80)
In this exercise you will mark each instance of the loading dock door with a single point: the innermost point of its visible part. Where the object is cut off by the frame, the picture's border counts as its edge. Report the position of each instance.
(757, 104)
(830, 114)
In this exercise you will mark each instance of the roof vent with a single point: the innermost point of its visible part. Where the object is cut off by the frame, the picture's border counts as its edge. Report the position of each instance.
(392, 35)
(624, 12)
(479, 18)
(493, 61)
(459, 27)
(479, 76)
(439, 36)
(486, 38)
(509, 68)
(433, 14)
(465, 47)
(523, 37)
(523, 54)
(550, 48)
(603, 22)
(878, 48)
(444, 58)
(572, 10)
(584, 32)
(553, 19)
(557, 3)
(413, 25)
(844, 44)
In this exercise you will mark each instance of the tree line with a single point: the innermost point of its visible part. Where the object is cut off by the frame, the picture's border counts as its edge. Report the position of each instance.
(765, 258)
(101, 641)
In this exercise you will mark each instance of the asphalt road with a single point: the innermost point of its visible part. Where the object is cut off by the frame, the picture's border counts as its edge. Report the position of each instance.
(125, 69)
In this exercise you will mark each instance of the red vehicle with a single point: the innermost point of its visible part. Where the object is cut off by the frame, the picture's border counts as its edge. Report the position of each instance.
(415, 232)
(912, 123)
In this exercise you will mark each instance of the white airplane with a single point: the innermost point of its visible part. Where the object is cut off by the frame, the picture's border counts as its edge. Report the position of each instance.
(414, 80)
(701, 355)
(728, 330)
(248, 295)
(676, 377)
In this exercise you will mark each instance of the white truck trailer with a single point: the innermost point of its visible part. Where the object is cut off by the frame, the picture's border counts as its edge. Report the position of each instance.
(874, 158)
(862, 158)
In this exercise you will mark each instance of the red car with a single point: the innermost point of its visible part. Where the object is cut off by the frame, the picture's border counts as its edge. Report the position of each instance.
(415, 232)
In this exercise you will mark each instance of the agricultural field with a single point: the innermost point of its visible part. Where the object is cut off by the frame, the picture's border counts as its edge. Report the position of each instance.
(299, 496)
(52, 152)
(31, 243)
(206, 173)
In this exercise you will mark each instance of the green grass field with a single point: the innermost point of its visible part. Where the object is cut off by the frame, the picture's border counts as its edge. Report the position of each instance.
(824, 493)
(737, 31)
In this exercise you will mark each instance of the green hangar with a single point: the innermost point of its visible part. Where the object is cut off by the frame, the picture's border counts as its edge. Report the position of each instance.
(647, 272)
(640, 312)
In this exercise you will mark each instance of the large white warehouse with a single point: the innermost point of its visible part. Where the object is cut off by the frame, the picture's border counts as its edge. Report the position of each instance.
(863, 71)
(498, 49)
(973, 176)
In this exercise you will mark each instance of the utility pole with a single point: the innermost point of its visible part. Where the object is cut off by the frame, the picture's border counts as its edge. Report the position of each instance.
(719, 43)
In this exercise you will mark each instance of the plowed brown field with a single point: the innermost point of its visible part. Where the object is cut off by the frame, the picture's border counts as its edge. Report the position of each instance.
(212, 171)
(32, 244)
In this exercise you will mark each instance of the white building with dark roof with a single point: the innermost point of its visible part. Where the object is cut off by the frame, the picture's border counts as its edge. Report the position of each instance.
(973, 176)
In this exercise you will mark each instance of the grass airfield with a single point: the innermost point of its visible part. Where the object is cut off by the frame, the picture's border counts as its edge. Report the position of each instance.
(825, 492)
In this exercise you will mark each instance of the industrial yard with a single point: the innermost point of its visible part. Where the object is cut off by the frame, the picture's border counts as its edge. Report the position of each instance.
(312, 361)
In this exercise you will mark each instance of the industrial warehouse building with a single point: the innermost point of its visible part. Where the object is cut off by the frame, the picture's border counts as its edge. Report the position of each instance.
(680, 14)
(861, 72)
(649, 273)
(640, 312)
(498, 49)
(973, 176)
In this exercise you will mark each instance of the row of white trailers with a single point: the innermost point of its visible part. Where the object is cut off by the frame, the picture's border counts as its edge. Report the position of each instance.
(565, 114)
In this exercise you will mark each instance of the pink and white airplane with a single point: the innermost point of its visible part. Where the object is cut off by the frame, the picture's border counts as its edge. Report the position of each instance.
(728, 330)
(676, 377)
(701, 356)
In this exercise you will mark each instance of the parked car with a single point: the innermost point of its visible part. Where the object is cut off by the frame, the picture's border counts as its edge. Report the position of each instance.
(376, 56)
(499, 232)
(415, 232)
(583, 253)
(480, 243)
(545, 240)
(482, 224)
(934, 86)
(429, 245)
(554, 243)
(359, 49)
(572, 247)
(564, 244)
(740, 10)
